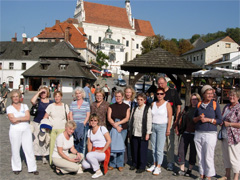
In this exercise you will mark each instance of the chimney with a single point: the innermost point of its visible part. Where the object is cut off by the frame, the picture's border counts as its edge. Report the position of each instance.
(66, 37)
(57, 21)
(24, 40)
(14, 39)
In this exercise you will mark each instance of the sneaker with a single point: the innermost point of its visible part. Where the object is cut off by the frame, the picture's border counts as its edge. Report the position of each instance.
(170, 167)
(80, 170)
(151, 169)
(157, 171)
(44, 160)
(188, 173)
(179, 173)
(97, 174)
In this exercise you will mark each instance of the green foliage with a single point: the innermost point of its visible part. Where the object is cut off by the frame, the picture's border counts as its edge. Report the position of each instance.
(101, 59)
(151, 43)
(194, 38)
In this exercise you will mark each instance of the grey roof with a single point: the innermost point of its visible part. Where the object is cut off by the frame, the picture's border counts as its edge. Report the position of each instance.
(203, 46)
(160, 60)
(15, 50)
(110, 41)
(74, 70)
(62, 50)
(198, 43)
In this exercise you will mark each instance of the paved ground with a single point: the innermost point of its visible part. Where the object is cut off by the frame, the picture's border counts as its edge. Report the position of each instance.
(47, 173)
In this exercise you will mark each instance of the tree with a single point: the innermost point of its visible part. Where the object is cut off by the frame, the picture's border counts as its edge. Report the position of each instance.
(101, 59)
(234, 33)
(194, 38)
(169, 46)
(184, 46)
(151, 43)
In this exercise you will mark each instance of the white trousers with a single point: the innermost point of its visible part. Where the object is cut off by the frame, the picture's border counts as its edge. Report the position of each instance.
(20, 134)
(231, 155)
(205, 142)
(92, 160)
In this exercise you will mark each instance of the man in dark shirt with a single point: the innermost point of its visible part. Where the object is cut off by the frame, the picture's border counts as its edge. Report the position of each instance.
(171, 95)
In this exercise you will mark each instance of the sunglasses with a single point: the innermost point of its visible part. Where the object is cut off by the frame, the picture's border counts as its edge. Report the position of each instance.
(160, 93)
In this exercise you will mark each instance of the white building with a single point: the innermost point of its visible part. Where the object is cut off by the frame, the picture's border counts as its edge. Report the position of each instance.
(210, 52)
(229, 61)
(17, 57)
(95, 19)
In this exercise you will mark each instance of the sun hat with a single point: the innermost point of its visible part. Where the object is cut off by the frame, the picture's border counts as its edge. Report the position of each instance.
(206, 87)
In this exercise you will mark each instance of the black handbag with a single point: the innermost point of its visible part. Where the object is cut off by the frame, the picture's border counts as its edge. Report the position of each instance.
(34, 109)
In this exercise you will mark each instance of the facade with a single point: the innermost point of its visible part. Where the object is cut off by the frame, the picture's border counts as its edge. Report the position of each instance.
(210, 52)
(95, 18)
(62, 66)
(229, 61)
(70, 32)
(17, 57)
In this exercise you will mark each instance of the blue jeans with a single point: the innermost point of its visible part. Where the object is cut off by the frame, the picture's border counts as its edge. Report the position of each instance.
(80, 145)
(117, 159)
(158, 139)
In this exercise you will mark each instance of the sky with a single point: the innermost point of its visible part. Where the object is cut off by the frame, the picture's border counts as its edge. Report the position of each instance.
(170, 18)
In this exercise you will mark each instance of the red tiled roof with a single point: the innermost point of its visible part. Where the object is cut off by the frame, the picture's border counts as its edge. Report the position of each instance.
(143, 28)
(76, 37)
(106, 15)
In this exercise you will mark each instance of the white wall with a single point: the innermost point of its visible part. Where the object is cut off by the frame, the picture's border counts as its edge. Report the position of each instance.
(14, 74)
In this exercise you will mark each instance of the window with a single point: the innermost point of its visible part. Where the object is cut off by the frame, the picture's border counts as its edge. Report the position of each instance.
(227, 45)
(10, 84)
(137, 46)
(99, 39)
(201, 56)
(44, 66)
(126, 57)
(227, 67)
(90, 38)
(118, 40)
(24, 65)
(127, 43)
(11, 65)
(197, 58)
(194, 58)
(62, 66)
(112, 47)
(0, 66)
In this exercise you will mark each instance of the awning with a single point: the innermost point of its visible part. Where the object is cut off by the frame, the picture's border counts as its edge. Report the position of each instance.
(96, 71)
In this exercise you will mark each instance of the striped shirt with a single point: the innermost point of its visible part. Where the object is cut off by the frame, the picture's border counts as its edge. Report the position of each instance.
(79, 115)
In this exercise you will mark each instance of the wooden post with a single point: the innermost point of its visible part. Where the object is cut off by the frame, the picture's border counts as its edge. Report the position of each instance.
(131, 78)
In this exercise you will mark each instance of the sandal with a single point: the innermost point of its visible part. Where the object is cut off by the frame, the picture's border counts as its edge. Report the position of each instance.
(58, 172)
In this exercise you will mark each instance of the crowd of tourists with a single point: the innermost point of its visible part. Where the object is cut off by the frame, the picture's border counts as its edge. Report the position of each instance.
(92, 133)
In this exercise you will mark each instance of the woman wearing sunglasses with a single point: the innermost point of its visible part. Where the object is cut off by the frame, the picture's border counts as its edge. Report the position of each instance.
(98, 147)
(161, 119)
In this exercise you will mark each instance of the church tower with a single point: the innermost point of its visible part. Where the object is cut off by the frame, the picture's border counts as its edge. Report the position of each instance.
(79, 13)
(129, 13)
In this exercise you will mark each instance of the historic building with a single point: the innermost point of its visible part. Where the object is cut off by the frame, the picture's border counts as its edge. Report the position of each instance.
(205, 54)
(61, 65)
(95, 19)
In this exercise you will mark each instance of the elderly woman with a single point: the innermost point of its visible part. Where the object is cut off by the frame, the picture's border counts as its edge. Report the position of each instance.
(100, 107)
(231, 142)
(65, 162)
(118, 116)
(80, 112)
(207, 117)
(161, 124)
(57, 113)
(98, 147)
(41, 148)
(140, 130)
(20, 134)
(187, 138)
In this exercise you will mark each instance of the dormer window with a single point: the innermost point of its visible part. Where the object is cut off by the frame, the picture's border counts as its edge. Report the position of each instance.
(62, 66)
(26, 52)
(44, 66)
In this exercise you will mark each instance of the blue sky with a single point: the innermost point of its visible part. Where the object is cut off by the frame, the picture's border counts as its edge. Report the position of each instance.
(171, 18)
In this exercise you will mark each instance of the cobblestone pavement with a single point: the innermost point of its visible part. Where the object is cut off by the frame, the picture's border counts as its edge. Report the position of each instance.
(46, 172)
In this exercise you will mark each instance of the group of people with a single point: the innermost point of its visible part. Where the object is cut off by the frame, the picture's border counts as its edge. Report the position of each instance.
(85, 135)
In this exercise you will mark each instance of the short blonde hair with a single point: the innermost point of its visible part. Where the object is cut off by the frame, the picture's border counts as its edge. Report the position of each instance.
(133, 92)
(99, 91)
(81, 90)
(71, 124)
(14, 91)
(44, 87)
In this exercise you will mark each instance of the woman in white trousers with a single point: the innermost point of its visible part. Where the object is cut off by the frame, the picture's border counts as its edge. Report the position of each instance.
(20, 134)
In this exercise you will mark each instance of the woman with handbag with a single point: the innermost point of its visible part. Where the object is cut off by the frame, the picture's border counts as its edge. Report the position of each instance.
(187, 129)
(231, 136)
(40, 101)
(20, 134)
(57, 113)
